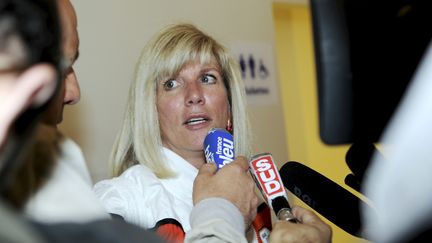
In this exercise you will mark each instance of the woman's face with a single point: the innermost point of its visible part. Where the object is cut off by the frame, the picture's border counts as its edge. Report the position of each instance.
(189, 105)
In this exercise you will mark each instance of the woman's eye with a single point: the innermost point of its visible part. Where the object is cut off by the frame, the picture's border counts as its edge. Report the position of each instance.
(208, 78)
(170, 84)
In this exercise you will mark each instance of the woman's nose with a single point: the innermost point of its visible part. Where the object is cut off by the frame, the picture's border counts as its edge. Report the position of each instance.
(194, 94)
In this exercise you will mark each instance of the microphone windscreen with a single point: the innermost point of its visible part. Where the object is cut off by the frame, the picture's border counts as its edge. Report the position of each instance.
(332, 201)
(219, 147)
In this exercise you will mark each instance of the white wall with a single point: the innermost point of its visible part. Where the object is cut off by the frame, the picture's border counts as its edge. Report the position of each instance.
(112, 33)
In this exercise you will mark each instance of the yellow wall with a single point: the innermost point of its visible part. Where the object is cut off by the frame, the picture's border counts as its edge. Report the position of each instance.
(296, 72)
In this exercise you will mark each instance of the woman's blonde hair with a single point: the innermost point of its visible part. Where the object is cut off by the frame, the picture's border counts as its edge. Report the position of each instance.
(139, 140)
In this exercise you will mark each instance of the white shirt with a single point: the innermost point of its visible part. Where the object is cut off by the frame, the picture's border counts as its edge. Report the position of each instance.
(67, 196)
(143, 199)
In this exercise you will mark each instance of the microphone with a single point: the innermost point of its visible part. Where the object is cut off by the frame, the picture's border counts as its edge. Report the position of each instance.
(219, 147)
(267, 178)
(325, 196)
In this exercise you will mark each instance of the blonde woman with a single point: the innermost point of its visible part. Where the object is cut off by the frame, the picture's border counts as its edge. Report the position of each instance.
(186, 83)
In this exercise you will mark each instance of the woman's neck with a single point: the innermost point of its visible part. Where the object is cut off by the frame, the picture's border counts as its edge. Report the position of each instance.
(196, 159)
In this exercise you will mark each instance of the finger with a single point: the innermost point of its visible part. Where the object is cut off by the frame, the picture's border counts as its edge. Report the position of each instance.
(253, 213)
(207, 169)
(254, 202)
(285, 232)
(305, 215)
(242, 162)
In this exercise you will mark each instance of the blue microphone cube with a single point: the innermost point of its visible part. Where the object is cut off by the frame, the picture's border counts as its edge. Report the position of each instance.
(219, 147)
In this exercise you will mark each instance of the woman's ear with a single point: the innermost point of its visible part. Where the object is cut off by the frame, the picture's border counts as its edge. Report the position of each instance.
(229, 125)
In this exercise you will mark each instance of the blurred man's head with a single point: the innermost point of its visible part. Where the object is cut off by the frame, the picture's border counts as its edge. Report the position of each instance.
(69, 88)
(29, 66)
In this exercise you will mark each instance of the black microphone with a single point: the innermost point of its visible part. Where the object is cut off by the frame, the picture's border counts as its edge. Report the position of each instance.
(332, 201)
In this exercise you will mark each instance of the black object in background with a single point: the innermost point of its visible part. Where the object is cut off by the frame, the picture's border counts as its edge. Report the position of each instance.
(358, 158)
(366, 52)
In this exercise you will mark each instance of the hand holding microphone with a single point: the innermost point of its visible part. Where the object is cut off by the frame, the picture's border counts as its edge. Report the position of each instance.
(219, 149)
(294, 225)
(311, 229)
(268, 180)
(232, 182)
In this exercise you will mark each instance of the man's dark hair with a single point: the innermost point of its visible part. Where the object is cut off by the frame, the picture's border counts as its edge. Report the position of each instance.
(29, 34)
(33, 26)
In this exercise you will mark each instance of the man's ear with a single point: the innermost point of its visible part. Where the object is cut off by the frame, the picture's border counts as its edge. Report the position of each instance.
(37, 85)
(32, 88)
